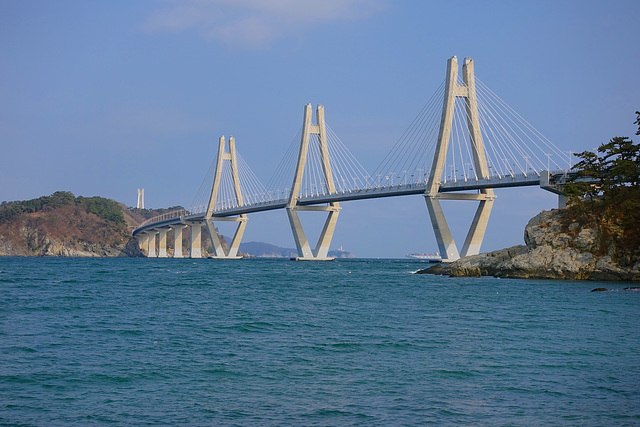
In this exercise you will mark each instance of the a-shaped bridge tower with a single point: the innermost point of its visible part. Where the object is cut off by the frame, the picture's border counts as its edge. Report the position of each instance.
(302, 244)
(467, 91)
(209, 218)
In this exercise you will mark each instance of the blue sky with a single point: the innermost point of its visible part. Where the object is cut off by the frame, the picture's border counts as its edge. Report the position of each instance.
(104, 97)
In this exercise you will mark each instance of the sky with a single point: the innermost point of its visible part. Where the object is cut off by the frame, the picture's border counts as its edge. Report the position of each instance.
(105, 97)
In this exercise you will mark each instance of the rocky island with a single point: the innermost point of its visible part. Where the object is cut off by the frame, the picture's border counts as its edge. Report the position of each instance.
(552, 250)
(597, 237)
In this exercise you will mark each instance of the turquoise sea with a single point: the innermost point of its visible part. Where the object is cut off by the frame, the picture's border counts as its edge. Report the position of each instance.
(278, 342)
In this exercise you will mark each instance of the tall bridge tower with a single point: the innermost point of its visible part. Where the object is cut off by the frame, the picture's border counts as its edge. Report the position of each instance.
(467, 91)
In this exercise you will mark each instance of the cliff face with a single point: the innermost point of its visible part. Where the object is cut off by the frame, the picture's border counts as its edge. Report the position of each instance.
(68, 226)
(554, 250)
(31, 241)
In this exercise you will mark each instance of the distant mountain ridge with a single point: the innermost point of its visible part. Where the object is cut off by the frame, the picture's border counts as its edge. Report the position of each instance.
(267, 250)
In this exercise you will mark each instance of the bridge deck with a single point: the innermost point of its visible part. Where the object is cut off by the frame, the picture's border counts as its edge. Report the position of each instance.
(366, 193)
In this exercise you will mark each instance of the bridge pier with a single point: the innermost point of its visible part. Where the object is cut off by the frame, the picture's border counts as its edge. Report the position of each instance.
(555, 188)
(216, 239)
(177, 239)
(143, 242)
(444, 238)
(320, 253)
(162, 242)
(195, 250)
(151, 252)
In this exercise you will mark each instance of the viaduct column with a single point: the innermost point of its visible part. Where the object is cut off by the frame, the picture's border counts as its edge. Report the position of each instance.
(162, 242)
(151, 253)
(196, 239)
(177, 240)
(143, 243)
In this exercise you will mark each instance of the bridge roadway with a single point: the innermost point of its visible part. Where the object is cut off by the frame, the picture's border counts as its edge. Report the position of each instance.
(548, 181)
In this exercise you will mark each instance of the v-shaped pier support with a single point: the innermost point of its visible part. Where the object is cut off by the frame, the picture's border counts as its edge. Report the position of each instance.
(320, 253)
(446, 244)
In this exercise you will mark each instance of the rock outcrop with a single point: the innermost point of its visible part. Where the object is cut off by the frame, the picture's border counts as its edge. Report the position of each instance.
(63, 225)
(35, 243)
(552, 250)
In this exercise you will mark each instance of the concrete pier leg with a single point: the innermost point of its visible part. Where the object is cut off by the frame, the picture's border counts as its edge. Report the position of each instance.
(478, 227)
(162, 242)
(216, 241)
(322, 249)
(444, 238)
(302, 244)
(143, 243)
(177, 240)
(237, 237)
(562, 201)
(151, 252)
(196, 240)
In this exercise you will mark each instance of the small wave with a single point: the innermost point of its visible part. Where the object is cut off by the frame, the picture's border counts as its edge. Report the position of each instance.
(455, 373)
(328, 412)
(23, 349)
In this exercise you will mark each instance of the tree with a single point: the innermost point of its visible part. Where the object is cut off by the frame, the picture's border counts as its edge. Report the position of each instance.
(605, 190)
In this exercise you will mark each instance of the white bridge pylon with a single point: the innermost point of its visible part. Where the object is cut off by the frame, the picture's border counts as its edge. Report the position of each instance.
(444, 238)
(216, 240)
(324, 241)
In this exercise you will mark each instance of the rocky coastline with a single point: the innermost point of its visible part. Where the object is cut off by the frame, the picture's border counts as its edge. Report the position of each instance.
(42, 245)
(552, 250)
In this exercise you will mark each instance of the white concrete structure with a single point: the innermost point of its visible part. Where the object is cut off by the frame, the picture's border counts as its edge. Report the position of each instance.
(162, 242)
(140, 204)
(216, 240)
(143, 242)
(177, 239)
(196, 239)
(151, 242)
(453, 90)
(302, 244)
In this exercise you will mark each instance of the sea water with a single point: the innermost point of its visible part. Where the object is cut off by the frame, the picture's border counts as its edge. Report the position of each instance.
(278, 342)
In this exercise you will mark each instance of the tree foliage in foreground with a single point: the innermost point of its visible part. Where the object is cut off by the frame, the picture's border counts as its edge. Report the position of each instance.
(606, 191)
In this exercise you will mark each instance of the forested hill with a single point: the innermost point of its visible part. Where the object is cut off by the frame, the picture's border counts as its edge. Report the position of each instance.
(65, 225)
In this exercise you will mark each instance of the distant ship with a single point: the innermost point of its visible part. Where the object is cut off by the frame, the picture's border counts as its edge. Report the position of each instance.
(428, 257)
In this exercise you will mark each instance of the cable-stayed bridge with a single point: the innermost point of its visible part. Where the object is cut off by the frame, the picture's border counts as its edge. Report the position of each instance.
(463, 144)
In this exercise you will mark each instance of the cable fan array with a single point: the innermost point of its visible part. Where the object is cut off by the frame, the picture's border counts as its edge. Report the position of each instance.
(348, 174)
(512, 146)
(251, 188)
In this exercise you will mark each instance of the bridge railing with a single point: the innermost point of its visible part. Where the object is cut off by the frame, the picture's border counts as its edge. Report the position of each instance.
(179, 213)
